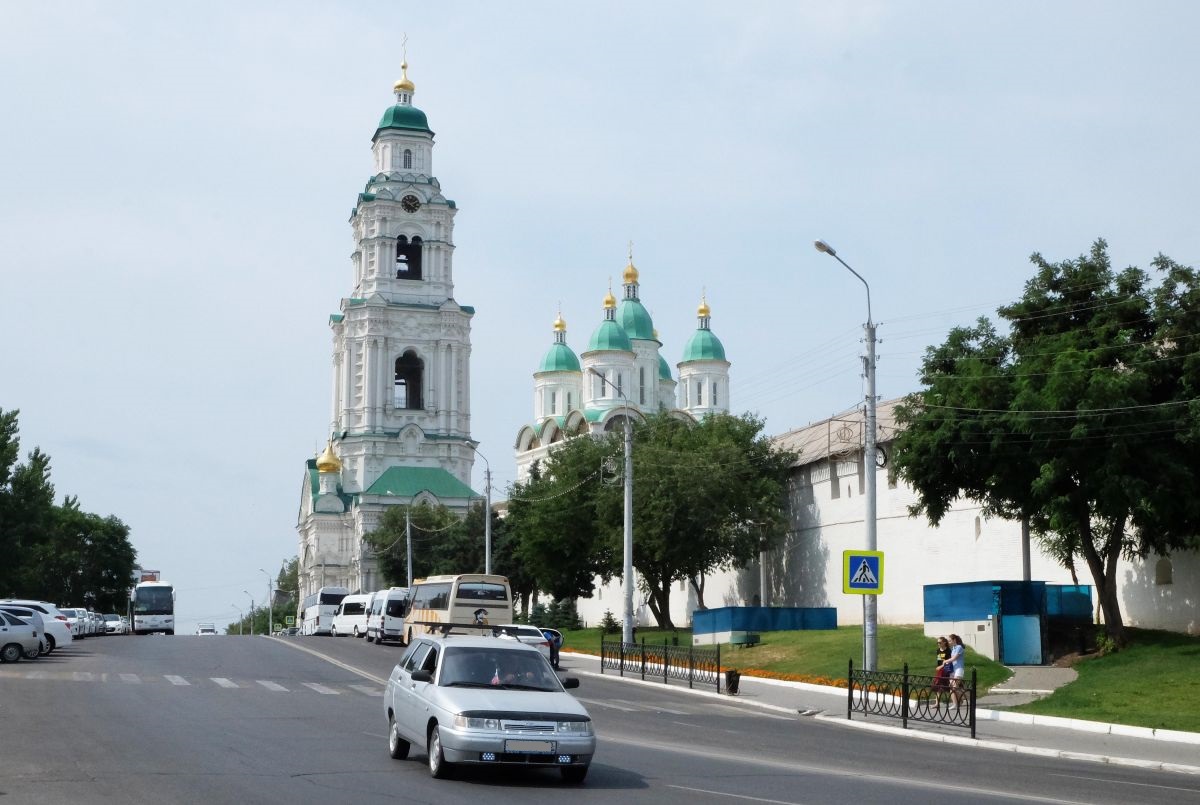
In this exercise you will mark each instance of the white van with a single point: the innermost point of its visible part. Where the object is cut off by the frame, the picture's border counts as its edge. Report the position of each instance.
(388, 609)
(351, 616)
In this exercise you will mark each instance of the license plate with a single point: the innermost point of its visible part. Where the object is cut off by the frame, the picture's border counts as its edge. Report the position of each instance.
(529, 746)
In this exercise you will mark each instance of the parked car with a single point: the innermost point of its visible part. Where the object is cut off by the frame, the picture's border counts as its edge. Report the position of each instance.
(34, 619)
(74, 621)
(17, 638)
(58, 632)
(386, 620)
(529, 635)
(113, 624)
(485, 701)
(97, 622)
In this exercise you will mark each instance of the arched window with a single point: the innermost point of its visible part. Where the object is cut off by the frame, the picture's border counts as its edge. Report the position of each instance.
(409, 373)
(408, 258)
(407, 158)
(1163, 571)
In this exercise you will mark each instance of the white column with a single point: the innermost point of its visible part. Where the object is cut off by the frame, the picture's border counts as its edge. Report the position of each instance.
(452, 367)
(333, 413)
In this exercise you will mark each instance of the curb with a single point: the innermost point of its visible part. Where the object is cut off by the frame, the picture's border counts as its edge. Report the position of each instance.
(1059, 722)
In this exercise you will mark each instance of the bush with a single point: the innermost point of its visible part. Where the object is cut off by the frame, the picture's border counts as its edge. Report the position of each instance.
(609, 624)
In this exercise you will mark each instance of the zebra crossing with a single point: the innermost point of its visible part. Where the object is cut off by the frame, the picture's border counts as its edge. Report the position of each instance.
(176, 681)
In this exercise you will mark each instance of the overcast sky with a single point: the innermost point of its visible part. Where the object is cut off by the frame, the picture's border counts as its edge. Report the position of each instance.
(176, 182)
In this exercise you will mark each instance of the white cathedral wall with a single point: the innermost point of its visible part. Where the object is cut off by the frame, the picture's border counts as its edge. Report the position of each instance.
(806, 570)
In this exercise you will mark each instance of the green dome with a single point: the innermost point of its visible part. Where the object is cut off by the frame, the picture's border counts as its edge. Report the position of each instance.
(559, 358)
(703, 346)
(403, 117)
(664, 369)
(610, 335)
(632, 316)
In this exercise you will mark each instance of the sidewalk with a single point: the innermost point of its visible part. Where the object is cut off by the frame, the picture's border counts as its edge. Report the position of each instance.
(995, 728)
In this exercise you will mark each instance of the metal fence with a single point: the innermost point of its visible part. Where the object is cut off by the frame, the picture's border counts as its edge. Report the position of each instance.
(696, 666)
(912, 697)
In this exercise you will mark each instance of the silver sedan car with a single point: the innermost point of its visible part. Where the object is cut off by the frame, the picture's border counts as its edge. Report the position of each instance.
(485, 701)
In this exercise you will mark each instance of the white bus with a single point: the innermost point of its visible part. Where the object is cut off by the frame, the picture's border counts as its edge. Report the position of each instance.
(317, 615)
(152, 608)
(351, 616)
(469, 599)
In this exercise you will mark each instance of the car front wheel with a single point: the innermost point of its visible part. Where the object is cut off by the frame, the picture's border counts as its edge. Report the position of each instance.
(397, 746)
(12, 652)
(438, 767)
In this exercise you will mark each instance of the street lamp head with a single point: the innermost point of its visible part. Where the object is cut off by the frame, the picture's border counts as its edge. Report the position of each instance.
(822, 246)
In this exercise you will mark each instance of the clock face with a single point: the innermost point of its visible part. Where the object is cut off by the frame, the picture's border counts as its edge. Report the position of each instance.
(410, 203)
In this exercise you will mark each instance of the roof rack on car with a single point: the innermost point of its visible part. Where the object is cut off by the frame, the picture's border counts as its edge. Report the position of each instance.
(444, 629)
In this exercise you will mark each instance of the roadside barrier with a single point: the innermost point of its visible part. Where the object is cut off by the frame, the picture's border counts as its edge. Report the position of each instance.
(911, 697)
(685, 663)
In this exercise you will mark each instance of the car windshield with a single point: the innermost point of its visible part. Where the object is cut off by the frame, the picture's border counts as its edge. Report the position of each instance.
(495, 667)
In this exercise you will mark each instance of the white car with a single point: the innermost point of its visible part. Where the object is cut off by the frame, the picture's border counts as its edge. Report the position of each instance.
(58, 632)
(17, 638)
(113, 623)
(529, 635)
(74, 621)
(485, 701)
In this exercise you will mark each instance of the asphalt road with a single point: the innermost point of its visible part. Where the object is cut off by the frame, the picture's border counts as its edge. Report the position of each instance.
(249, 720)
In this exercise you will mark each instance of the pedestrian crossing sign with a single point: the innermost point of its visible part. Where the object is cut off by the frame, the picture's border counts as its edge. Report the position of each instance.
(862, 572)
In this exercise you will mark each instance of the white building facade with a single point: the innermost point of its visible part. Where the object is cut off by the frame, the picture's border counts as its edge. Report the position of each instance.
(400, 426)
(826, 509)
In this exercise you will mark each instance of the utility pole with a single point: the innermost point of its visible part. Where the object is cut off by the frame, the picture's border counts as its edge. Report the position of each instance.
(870, 603)
(408, 542)
(627, 624)
(270, 603)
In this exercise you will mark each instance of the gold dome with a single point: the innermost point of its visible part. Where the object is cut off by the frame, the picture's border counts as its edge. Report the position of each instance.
(328, 462)
(631, 274)
(703, 310)
(560, 325)
(404, 84)
(610, 301)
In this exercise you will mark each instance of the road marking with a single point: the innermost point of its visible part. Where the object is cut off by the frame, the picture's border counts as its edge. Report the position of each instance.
(132, 678)
(734, 796)
(36, 675)
(320, 688)
(272, 686)
(176, 680)
(610, 705)
(368, 690)
(1121, 782)
(223, 682)
(657, 708)
(83, 676)
(339, 664)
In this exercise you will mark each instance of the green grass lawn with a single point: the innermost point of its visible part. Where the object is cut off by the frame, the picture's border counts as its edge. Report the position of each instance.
(1153, 682)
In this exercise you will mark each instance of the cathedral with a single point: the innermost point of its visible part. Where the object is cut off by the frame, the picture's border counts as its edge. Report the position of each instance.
(622, 372)
(400, 429)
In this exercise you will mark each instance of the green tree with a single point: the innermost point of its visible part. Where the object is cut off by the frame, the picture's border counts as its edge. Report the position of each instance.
(554, 519)
(1082, 419)
(707, 496)
(86, 558)
(437, 537)
(26, 510)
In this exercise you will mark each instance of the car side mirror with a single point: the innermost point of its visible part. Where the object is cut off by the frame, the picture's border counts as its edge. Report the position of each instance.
(571, 682)
(422, 676)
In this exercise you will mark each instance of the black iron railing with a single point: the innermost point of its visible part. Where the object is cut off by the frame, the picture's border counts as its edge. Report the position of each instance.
(912, 697)
(696, 666)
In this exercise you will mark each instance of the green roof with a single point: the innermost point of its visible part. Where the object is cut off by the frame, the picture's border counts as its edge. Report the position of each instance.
(407, 482)
(664, 369)
(559, 358)
(632, 316)
(610, 335)
(403, 117)
(703, 346)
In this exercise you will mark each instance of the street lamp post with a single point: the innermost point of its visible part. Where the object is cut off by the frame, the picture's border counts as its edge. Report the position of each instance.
(270, 602)
(487, 515)
(627, 625)
(251, 612)
(870, 604)
(241, 617)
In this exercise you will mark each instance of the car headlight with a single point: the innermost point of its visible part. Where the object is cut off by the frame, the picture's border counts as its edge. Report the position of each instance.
(483, 724)
(574, 727)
